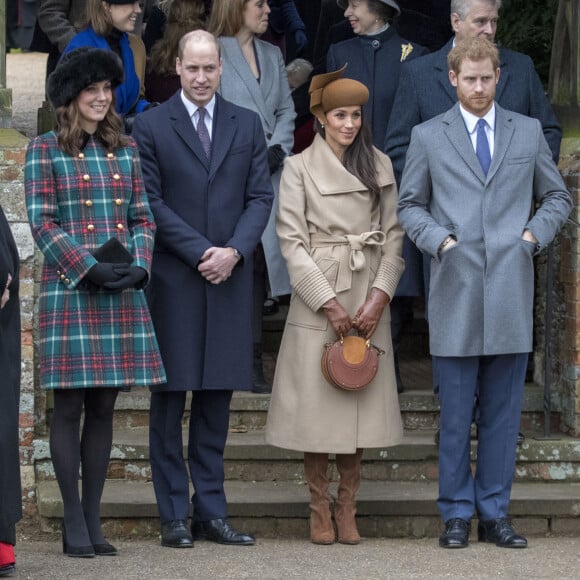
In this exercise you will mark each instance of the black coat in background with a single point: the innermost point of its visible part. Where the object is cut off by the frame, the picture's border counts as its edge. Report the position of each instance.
(10, 493)
(375, 61)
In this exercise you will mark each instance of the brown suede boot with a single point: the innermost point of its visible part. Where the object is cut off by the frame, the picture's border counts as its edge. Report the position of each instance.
(315, 471)
(348, 466)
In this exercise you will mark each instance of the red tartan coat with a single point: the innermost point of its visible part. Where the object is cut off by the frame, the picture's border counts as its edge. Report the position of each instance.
(75, 204)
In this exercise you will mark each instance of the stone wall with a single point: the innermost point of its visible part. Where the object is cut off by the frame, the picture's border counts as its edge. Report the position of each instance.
(569, 330)
(12, 156)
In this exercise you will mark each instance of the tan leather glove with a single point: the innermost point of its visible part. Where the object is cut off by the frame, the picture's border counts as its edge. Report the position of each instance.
(337, 316)
(368, 315)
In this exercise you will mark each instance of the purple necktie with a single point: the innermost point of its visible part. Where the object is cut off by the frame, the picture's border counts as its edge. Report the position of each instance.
(203, 133)
(482, 146)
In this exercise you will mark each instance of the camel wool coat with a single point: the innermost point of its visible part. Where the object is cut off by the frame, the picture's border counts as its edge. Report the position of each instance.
(339, 240)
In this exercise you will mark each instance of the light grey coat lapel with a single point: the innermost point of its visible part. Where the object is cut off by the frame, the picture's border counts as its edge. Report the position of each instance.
(234, 57)
(504, 130)
(459, 138)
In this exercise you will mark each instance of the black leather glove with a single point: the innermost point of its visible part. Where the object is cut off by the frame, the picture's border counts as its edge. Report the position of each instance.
(104, 272)
(132, 277)
(275, 157)
(301, 40)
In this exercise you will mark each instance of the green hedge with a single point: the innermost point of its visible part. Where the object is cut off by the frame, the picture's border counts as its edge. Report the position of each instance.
(528, 26)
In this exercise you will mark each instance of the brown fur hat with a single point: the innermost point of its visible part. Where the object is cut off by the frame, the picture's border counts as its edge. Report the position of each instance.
(80, 68)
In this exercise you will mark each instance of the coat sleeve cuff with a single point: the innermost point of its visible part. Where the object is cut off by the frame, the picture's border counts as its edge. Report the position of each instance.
(388, 276)
(315, 290)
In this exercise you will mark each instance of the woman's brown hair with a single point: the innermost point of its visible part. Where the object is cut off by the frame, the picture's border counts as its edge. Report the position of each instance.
(71, 136)
(98, 18)
(183, 16)
(359, 158)
(226, 17)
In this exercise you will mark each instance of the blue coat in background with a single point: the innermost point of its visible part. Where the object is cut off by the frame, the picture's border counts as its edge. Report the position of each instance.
(127, 93)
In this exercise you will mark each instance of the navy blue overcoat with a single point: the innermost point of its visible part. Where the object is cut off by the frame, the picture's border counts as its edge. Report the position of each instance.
(204, 330)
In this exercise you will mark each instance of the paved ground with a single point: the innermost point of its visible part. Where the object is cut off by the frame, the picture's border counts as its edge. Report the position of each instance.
(552, 558)
(25, 75)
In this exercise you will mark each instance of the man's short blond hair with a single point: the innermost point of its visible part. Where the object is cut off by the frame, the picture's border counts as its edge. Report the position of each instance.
(201, 36)
(475, 49)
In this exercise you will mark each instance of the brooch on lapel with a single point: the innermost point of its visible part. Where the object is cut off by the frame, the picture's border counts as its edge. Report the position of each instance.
(406, 50)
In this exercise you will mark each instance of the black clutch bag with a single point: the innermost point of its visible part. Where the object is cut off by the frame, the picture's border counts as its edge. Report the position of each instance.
(114, 252)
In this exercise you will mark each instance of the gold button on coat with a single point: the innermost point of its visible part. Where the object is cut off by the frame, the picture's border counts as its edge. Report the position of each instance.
(116, 177)
(120, 227)
(88, 203)
(110, 155)
(90, 227)
(119, 201)
(81, 155)
(67, 281)
(86, 177)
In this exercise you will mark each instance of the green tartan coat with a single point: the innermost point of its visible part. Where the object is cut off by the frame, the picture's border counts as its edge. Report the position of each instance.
(76, 204)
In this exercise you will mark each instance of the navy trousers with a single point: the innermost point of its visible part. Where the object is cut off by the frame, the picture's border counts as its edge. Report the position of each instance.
(499, 381)
(208, 431)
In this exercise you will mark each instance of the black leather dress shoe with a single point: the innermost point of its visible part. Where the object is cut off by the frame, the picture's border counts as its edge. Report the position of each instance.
(175, 534)
(221, 532)
(501, 533)
(456, 534)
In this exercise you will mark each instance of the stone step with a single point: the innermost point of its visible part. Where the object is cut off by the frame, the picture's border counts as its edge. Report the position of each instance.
(419, 406)
(280, 509)
(249, 458)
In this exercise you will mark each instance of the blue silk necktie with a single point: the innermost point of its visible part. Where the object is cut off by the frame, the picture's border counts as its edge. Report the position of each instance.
(482, 146)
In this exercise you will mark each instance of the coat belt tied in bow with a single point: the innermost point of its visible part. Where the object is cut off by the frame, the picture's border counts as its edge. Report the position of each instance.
(356, 259)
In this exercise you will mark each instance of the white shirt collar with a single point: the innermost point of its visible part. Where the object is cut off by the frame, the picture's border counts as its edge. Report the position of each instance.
(191, 108)
(471, 119)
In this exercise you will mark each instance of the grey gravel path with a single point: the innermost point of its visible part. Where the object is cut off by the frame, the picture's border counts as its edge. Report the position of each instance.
(553, 558)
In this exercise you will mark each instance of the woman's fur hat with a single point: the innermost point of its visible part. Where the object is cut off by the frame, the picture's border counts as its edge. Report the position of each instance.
(80, 68)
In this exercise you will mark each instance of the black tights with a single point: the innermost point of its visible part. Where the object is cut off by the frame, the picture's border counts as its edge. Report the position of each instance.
(69, 450)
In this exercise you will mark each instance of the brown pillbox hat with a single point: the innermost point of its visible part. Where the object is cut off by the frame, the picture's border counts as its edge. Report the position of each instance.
(329, 91)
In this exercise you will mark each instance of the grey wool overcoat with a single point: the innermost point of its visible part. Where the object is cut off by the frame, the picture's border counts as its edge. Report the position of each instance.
(482, 289)
(331, 230)
(271, 99)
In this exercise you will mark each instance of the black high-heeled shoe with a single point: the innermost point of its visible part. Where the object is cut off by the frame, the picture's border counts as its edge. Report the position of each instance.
(75, 551)
(7, 569)
(105, 549)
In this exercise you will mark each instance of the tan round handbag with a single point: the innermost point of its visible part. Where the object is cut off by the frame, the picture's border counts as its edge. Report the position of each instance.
(351, 362)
